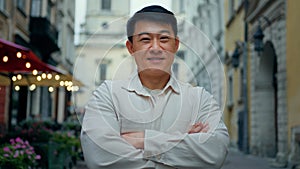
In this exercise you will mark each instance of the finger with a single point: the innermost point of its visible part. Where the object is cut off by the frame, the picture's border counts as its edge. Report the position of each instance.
(199, 127)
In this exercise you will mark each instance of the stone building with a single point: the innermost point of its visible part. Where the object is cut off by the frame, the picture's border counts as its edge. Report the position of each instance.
(101, 53)
(258, 56)
(202, 39)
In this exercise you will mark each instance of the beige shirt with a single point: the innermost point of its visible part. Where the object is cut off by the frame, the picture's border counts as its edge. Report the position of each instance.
(165, 116)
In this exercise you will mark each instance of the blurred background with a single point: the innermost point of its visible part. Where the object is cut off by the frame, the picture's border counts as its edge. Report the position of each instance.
(54, 53)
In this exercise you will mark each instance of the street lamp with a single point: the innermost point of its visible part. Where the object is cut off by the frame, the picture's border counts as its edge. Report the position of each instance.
(258, 39)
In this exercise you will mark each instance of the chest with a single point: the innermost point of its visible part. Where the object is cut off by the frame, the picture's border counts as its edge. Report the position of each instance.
(167, 113)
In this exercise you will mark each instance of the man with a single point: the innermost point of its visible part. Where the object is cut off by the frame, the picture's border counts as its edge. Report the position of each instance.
(152, 120)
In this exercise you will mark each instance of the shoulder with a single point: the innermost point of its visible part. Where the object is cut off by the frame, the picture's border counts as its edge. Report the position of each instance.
(112, 86)
(187, 87)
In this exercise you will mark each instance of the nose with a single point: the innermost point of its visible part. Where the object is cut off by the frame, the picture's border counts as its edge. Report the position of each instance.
(155, 46)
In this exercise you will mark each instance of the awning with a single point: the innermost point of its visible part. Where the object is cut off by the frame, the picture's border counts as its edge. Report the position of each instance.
(18, 59)
(22, 67)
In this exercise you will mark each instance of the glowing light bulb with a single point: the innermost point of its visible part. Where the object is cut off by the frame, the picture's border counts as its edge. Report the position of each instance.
(19, 77)
(28, 65)
(49, 76)
(14, 78)
(5, 58)
(17, 88)
(57, 77)
(44, 75)
(32, 87)
(34, 72)
(50, 89)
(19, 54)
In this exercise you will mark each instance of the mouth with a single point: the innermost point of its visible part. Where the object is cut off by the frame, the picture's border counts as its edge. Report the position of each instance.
(156, 59)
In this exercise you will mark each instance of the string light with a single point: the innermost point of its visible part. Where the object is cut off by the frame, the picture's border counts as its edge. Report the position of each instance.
(28, 65)
(32, 87)
(44, 75)
(5, 58)
(49, 76)
(19, 77)
(69, 88)
(57, 77)
(75, 88)
(66, 83)
(50, 89)
(19, 54)
(61, 83)
(34, 72)
(17, 88)
(38, 78)
(14, 78)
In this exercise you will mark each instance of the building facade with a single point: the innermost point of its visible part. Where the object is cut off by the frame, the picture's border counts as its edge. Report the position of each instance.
(265, 75)
(35, 25)
(236, 109)
(203, 43)
(101, 53)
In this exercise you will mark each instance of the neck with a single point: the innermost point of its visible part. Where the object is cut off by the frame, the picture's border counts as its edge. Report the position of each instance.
(154, 79)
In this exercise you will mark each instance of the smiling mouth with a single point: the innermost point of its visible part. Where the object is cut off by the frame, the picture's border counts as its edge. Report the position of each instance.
(155, 59)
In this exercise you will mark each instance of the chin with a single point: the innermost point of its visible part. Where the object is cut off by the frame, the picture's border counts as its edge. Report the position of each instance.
(155, 71)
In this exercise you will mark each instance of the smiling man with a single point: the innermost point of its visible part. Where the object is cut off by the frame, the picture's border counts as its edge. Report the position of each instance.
(152, 120)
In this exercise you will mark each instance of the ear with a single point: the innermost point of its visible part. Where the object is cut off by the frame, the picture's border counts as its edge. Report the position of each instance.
(129, 47)
(177, 43)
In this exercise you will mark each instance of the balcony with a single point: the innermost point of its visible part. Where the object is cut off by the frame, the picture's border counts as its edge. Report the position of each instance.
(43, 36)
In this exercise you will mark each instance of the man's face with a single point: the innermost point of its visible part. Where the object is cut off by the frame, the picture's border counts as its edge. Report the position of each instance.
(153, 46)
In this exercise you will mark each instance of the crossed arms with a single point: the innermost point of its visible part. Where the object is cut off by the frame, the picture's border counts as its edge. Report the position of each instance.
(104, 146)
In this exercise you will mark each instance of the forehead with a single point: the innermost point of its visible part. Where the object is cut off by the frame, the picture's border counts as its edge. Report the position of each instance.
(145, 26)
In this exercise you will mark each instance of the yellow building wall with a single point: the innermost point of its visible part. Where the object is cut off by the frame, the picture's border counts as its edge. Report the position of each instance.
(234, 32)
(293, 61)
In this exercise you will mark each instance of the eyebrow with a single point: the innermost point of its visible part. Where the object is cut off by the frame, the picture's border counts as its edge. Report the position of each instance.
(160, 32)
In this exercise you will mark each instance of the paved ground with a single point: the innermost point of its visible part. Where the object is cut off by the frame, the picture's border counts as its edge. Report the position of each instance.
(238, 160)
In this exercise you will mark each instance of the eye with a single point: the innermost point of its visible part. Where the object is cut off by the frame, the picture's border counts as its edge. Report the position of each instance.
(164, 38)
(145, 39)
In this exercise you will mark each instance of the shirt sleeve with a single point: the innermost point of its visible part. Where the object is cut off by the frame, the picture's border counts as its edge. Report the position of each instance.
(197, 150)
(102, 144)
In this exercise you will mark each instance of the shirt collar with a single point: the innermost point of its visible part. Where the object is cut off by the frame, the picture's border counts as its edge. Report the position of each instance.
(135, 85)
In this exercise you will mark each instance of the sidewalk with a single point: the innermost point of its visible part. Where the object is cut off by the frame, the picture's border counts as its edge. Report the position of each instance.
(239, 160)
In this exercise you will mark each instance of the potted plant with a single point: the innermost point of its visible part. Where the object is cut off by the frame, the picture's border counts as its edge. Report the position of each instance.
(18, 154)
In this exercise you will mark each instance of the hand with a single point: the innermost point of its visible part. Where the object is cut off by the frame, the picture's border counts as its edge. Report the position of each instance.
(135, 138)
(199, 128)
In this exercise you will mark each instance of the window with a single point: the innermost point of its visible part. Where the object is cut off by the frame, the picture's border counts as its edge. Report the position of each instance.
(21, 5)
(230, 9)
(180, 54)
(175, 69)
(36, 8)
(49, 7)
(102, 69)
(230, 92)
(106, 5)
(2, 5)
(241, 83)
(181, 6)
